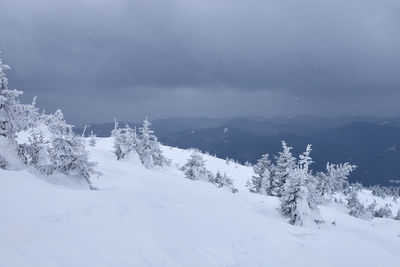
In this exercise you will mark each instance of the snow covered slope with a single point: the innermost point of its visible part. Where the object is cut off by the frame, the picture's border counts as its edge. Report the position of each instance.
(141, 217)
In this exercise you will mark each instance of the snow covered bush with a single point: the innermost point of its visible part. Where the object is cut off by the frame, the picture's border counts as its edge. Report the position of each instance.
(67, 151)
(372, 208)
(384, 191)
(14, 117)
(356, 208)
(3, 162)
(34, 151)
(285, 163)
(298, 198)
(334, 180)
(224, 181)
(146, 145)
(149, 149)
(338, 175)
(125, 140)
(261, 183)
(295, 203)
(92, 139)
(195, 169)
(383, 212)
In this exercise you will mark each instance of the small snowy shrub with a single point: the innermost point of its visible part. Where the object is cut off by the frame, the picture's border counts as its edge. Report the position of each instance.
(285, 163)
(149, 149)
(356, 208)
(298, 198)
(383, 212)
(92, 139)
(125, 140)
(261, 183)
(14, 117)
(294, 200)
(224, 181)
(195, 169)
(67, 151)
(34, 152)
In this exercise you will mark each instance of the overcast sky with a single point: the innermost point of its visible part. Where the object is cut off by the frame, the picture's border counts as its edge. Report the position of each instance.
(100, 59)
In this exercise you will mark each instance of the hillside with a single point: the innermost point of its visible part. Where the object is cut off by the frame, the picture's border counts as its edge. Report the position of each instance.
(141, 217)
(370, 143)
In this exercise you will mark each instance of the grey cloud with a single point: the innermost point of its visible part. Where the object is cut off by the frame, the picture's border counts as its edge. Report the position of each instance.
(85, 53)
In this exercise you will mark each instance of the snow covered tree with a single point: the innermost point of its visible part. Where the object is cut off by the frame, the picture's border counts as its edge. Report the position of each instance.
(378, 191)
(372, 208)
(261, 183)
(305, 160)
(335, 179)
(310, 180)
(383, 212)
(34, 152)
(14, 116)
(92, 139)
(248, 164)
(125, 140)
(356, 208)
(339, 174)
(398, 215)
(149, 149)
(195, 169)
(67, 151)
(224, 181)
(295, 199)
(298, 198)
(285, 163)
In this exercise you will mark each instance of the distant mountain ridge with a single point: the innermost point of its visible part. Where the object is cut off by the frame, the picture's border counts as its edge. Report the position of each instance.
(371, 143)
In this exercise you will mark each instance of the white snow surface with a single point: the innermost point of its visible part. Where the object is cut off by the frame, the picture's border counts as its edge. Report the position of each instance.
(141, 217)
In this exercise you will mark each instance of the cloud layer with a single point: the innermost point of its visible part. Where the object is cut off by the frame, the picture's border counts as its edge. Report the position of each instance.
(98, 59)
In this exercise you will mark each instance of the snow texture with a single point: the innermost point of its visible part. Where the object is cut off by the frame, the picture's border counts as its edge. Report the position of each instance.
(147, 217)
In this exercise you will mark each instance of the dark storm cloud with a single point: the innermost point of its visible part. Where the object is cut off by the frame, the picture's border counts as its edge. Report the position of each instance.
(97, 58)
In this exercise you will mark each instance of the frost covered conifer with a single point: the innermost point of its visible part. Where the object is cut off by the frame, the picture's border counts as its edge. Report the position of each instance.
(125, 140)
(372, 208)
(224, 181)
(335, 179)
(67, 151)
(298, 199)
(294, 200)
(339, 174)
(149, 149)
(92, 139)
(261, 183)
(305, 161)
(285, 163)
(195, 169)
(34, 152)
(356, 208)
(14, 116)
(384, 212)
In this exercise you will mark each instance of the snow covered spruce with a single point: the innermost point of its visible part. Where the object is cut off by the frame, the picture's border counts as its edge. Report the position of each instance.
(195, 169)
(145, 144)
(50, 148)
(299, 189)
